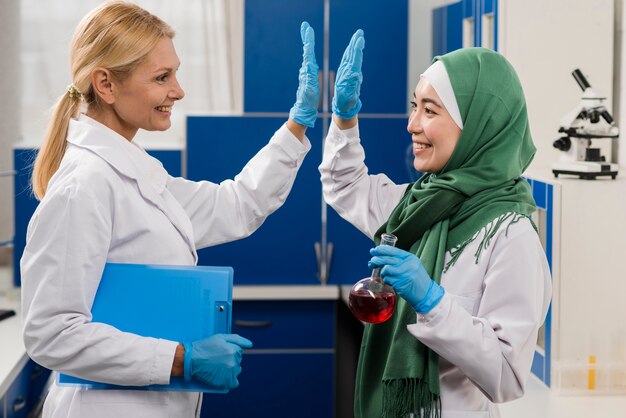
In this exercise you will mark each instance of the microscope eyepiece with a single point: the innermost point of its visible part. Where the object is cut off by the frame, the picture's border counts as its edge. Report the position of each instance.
(580, 79)
(563, 143)
(607, 117)
(594, 116)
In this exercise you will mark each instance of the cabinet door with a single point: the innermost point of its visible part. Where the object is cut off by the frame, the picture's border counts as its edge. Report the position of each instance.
(38, 377)
(16, 397)
(171, 160)
(281, 385)
(447, 28)
(388, 150)
(282, 250)
(273, 51)
(286, 325)
(25, 204)
(290, 370)
(385, 55)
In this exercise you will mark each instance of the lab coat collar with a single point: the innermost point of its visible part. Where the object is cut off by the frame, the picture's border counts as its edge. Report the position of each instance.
(131, 161)
(126, 157)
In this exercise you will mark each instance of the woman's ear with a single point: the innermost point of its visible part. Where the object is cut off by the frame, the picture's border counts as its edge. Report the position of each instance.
(102, 84)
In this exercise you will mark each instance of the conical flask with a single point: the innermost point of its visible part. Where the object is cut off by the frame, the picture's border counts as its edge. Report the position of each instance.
(371, 300)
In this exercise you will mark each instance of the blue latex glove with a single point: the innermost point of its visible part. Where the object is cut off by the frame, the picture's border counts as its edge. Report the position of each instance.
(215, 360)
(346, 102)
(304, 111)
(406, 274)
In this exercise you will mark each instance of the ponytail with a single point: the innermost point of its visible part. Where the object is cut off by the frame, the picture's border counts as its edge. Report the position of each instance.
(51, 152)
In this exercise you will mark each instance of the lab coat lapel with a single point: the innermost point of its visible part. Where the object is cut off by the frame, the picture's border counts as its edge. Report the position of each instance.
(152, 188)
(132, 161)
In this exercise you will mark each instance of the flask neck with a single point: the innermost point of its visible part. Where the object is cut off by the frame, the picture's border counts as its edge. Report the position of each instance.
(376, 275)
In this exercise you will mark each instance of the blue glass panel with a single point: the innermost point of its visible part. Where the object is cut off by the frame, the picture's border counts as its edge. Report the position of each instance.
(539, 194)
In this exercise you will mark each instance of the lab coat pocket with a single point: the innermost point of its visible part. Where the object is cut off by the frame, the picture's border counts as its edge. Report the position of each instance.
(469, 302)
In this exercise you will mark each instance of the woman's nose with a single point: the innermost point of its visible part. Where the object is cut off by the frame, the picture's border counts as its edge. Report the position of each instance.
(177, 91)
(414, 124)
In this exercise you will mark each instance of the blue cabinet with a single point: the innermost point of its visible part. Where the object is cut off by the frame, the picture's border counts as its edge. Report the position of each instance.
(15, 398)
(25, 391)
(282, 250)
(290, 370)
(25, 202)
(219, 147)
(385, 57)
(273, 50)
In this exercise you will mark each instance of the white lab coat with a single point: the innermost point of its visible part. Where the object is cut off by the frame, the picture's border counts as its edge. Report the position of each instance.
(111, 202)
(485, 327)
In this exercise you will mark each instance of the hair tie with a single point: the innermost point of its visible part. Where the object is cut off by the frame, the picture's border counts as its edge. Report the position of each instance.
(73, 92)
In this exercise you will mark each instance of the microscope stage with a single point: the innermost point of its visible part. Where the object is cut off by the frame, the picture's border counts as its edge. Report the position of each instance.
(587, 170)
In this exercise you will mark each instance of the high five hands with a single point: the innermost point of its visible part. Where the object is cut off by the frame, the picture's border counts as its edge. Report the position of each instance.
(346, 102)
(304, 111)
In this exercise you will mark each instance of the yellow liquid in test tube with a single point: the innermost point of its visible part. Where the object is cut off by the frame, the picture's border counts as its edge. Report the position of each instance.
(591, 373)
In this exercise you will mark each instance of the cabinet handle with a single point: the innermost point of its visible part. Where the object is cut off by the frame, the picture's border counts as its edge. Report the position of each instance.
(36, 374)
(320, 82)
(331, 87)
(252, 324)
(19, 404)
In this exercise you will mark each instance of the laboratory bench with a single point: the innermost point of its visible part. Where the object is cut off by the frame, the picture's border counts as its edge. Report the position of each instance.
(304, 356)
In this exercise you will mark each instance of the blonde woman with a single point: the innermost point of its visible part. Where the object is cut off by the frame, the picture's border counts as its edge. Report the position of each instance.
(104, 199)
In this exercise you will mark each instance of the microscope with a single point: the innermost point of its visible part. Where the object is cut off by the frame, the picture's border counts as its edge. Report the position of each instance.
(587, 131)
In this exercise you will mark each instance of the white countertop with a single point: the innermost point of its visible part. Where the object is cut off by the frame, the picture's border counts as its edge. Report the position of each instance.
(313, 292)
(12, 353)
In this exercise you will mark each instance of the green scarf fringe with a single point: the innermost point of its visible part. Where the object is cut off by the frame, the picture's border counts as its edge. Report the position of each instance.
(490, 231)
(422, 403)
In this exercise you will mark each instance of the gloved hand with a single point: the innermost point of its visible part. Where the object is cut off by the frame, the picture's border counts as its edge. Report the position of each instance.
(406, 274)
(346, 102)
(215, 360)
(304, 111)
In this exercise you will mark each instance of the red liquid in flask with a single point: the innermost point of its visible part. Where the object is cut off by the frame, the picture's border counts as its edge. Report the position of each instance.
(372, 307)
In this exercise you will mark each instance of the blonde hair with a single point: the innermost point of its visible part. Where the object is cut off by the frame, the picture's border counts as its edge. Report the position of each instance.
(117, 36)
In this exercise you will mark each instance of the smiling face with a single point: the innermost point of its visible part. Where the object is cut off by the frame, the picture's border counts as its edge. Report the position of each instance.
(433, 131)
(144, 100)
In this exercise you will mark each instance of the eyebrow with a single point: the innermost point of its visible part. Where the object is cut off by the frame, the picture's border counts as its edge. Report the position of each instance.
(429, 100)
(435, 102)
(168, 69)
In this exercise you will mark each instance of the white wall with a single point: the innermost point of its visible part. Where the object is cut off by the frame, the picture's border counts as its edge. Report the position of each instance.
(9, 107)
(546, 40)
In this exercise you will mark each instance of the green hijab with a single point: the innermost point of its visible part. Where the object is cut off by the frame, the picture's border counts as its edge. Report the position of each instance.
(444, 212)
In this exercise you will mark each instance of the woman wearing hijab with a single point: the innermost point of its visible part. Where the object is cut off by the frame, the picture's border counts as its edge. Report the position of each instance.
(468, 265)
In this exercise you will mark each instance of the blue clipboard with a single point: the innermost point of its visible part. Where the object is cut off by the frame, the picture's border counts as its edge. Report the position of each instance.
(178, 303)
